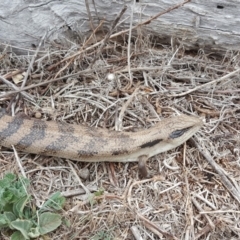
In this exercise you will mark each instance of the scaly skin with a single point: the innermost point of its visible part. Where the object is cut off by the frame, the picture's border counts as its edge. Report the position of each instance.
(82, 143)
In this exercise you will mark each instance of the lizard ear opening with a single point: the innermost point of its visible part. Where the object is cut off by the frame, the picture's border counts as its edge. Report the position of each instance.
(178, 133)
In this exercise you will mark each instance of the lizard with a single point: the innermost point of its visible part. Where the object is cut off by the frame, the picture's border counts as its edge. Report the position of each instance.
(90, 144)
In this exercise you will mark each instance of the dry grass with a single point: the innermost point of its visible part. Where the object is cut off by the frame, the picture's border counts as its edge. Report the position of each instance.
(188, 197)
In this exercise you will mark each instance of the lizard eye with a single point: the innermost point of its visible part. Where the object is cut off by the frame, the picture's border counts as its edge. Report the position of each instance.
(178, 133)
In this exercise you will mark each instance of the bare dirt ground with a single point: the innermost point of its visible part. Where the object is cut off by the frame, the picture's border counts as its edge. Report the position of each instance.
(193, 191)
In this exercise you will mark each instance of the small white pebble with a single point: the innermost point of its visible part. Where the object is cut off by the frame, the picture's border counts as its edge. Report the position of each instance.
(38, 115)
(111, 76)
(84, 173)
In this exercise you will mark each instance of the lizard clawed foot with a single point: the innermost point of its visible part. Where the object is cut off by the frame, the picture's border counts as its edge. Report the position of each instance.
(142, 166)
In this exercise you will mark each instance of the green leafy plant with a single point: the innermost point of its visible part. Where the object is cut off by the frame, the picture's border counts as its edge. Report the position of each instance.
(20, 216)
(92, 199)
(102, 235)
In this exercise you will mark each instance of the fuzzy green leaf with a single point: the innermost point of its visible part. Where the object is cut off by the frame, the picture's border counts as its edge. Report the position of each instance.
(48, 222)
(23, 226)
(17, 236)
(3, 221)
(9, 218)
(11, 190)
(7, 180)
(19, 206)
(34, 232)
(55, 201)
